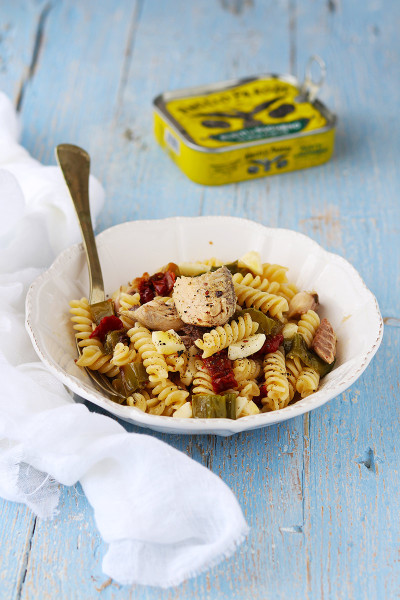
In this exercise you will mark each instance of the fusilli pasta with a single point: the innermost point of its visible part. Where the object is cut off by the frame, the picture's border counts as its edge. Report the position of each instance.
(83, 323)
(211, 262)
(245, 408)
(246, 368)
(191, 369)
(123, 355)
(307, 382)
(272, 287)
(153, 362)
(276, 381)
(221, 337)
(139, 399)
(93, 358)
(168, 393)
(128, 300)
(248, 388)
(293, 370)
(202, 382)
(287, 290)
(289, 330)
(177, 363)
(308, 325)
(263, 301)
(274, 272)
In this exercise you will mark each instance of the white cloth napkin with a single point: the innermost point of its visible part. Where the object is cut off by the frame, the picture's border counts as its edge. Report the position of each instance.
(164, 516)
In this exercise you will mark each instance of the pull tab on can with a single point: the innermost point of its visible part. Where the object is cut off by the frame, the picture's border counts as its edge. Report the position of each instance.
(310, 87)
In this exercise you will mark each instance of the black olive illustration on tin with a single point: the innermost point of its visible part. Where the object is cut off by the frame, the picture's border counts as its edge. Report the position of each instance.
(211, 123)
(247, 117)
(282, 111)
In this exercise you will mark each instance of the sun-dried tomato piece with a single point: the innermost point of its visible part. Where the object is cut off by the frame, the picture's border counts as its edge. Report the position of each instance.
(224, 382)
(106, 325)
(163, 283)
(146, 291)
(159, 284)
(271, 344)
(263, 392)
(220, 368)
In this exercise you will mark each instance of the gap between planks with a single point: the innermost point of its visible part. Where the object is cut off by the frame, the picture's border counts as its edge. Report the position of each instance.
(25, 560)
(292, 37)
(126, 64)
(36, 53)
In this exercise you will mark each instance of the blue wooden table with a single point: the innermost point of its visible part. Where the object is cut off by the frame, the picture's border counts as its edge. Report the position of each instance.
(320, 492)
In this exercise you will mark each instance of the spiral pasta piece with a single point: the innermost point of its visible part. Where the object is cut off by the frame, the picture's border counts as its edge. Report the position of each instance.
(93, 358)
(248, 388)
(245, 408)
(307, 382)
(211, 262)
(190, 371)
(155, 406)
(123, 354)
(276, 381)
(274, 272)
(222, 336)
(263, 301)
(293, 369)
(83, 323)
(202, 381)
(246, 368)
(169, 393)
(176, 363)
(153, 361)
(127, 317)
(287, 291)
(308, 325)
(126, 300)
(139, 399)
(289, 330)
(272, 287)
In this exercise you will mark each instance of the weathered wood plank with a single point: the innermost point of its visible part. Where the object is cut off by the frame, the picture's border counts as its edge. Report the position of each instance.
(352, 208)
(18, 30)
(65, 553)
(18, 525)
(20, 27)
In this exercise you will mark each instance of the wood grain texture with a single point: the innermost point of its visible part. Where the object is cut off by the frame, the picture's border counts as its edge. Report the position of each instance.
(320, 493)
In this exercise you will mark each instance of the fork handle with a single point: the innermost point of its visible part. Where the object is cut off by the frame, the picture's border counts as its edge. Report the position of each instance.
(75, 166)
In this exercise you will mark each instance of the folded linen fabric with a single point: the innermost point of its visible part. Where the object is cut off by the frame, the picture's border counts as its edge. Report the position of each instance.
(164, 516)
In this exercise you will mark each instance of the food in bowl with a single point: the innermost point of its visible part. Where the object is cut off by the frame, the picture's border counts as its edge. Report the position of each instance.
(208, 339)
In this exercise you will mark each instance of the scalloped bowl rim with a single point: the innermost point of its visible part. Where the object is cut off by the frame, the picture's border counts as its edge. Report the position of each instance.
(199, 426)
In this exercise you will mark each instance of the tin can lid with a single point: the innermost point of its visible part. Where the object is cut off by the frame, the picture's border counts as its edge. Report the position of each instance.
(244, 112)
(310, 87)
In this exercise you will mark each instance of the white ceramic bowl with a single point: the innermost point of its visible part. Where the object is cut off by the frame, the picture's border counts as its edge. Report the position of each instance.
(129, 249)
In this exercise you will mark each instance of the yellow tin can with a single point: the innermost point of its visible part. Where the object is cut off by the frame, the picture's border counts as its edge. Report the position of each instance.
(238, 130)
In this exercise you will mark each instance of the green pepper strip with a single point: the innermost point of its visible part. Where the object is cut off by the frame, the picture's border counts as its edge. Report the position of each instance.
(112, 339)
(233, 267)
(214, 406)
(299, 349)
(266, 324)
(101, 310)
(131, 379)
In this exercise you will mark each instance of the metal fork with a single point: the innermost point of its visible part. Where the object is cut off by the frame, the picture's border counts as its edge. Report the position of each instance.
(75, 166)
